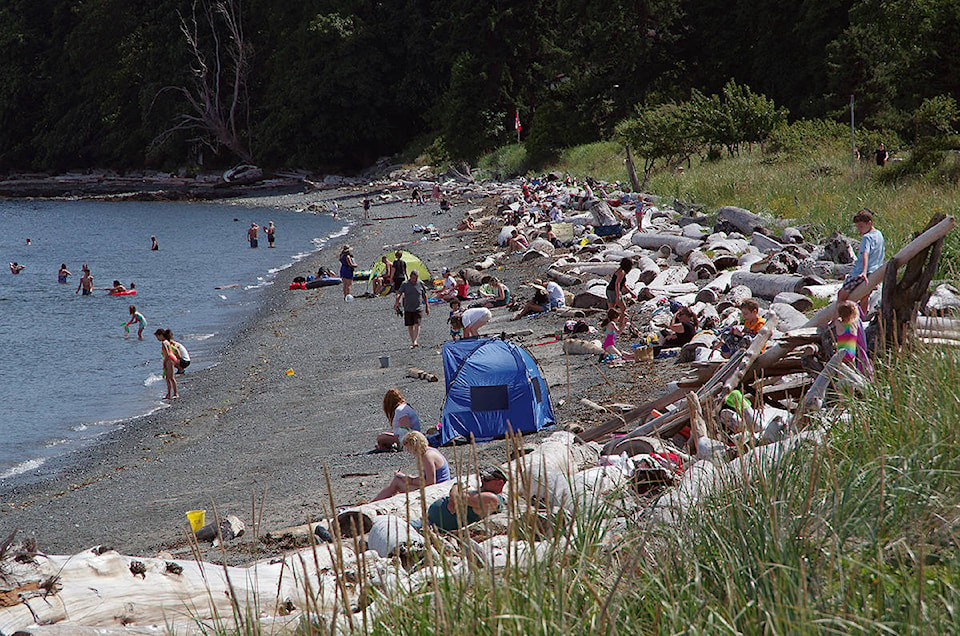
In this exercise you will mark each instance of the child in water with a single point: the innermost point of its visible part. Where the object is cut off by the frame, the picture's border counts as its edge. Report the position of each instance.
(136, 317)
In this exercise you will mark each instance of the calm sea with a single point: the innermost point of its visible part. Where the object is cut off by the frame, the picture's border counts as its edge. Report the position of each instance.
(68, 369)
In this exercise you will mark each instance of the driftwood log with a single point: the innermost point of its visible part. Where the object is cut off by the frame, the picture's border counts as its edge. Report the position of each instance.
(744, 220)
(711, 292)
(680, 245)
(769, 285)
(901, 298)
(700, 263)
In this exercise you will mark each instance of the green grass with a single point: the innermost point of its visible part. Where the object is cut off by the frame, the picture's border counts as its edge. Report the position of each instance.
(819, 191)
(859, 535)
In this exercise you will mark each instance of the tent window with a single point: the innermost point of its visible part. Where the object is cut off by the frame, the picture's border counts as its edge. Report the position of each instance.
(489, 398)
(536, 389)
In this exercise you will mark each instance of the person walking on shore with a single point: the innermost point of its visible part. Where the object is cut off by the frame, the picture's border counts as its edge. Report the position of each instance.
(366, 208)
(252, 234)
(881, 155)
(86, 282)
(413, 295)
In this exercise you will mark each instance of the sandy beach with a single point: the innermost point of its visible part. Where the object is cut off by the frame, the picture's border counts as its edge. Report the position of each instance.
(253, 441)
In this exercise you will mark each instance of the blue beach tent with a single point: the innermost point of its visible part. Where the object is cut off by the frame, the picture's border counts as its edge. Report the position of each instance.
(493, 386)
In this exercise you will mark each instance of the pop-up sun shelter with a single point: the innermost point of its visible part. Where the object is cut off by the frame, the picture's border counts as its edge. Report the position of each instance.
(414, 264)
(493, 387)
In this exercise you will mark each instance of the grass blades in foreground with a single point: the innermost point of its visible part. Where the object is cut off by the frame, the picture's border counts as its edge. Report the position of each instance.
(857, 536)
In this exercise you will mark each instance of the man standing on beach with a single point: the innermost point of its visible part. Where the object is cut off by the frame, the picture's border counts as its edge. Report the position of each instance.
(252, 234)
(366, 208)
(413, 294)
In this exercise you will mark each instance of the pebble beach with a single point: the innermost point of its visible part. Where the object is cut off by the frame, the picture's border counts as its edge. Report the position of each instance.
(295, 397)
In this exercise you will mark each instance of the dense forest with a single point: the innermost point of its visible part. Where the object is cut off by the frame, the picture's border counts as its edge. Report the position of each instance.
(333, 84)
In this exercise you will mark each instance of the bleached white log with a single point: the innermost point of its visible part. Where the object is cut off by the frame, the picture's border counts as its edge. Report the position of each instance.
(944, 299)
(544, 246)
(680, 245)
(791, 235)
(111, 590)
(800, 302)
(788, 317)
(702, 339)
(745, 220)
(765, 244)
(712, 291)
(700, 263)
(670, 276)
(392, 536)
(768, 285)
(747, 261)
(564, 279)
(938, 324)
(595, 269)
(827, 292)
(576, 347)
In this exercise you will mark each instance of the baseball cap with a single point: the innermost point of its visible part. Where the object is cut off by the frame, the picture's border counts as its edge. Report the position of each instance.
(492, 473)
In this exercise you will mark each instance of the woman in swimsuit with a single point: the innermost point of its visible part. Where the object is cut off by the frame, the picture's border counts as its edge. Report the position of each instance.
(432, 463)
(170, 358)
(63, 273)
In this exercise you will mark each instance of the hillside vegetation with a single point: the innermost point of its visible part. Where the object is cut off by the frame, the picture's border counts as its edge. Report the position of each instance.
(335, 84)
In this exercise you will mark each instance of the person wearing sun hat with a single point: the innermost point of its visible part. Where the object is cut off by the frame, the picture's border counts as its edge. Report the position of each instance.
(470, 506)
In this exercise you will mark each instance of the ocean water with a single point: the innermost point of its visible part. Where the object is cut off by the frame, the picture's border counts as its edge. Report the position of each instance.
(68, 369)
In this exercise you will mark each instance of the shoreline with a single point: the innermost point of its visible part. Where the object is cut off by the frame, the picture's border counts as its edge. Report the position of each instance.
(247, 439)
(243, 427)
(136, 398)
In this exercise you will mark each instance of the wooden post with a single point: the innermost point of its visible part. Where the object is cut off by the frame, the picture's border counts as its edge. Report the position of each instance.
(632, 171)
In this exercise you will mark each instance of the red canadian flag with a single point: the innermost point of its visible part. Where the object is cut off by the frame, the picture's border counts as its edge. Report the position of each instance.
(516, 122)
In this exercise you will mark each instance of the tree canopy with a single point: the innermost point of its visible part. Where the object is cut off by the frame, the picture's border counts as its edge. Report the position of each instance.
(334, 84)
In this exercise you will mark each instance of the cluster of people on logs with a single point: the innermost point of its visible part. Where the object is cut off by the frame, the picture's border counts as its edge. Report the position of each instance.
(458, 506)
